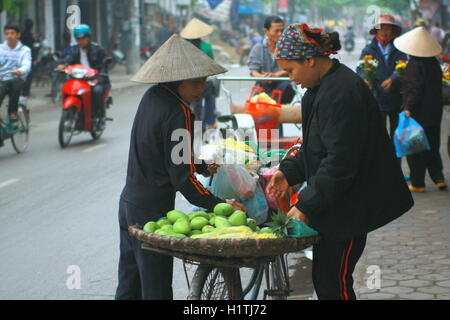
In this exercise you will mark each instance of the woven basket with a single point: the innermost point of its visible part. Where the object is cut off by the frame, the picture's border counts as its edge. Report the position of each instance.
(226, 248)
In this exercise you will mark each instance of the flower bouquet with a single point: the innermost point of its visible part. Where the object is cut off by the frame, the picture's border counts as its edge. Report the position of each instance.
(369, 66)
(400, 67)
(446, 75)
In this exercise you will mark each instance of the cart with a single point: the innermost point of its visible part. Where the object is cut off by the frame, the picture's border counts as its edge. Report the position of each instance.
(218, 261)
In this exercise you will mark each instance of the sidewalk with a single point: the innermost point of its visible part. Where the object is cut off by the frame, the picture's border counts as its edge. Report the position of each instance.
(413, 252)
(38, 102)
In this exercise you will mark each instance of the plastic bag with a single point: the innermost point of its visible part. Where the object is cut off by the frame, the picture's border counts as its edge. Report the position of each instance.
(257, 206)
(301, 230)
(221, 185)
(206, 182)
(242, 181)
(409, 138)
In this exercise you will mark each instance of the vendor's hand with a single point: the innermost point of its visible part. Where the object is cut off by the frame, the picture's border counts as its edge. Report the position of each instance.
(278, 185)
(60, 67)
(211, 170)
(17, 72)
(387, 84)
(297, 214)
(236, 205)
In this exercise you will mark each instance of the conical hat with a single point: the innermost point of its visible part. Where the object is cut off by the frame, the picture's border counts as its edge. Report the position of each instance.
(196, 29)
(419, 43)
(177, 60)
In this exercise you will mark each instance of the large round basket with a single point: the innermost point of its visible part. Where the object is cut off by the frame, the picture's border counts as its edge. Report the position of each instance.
(253, 249)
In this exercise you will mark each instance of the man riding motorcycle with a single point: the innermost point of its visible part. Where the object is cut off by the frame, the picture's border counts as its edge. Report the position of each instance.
(15, 64)
(90, 54)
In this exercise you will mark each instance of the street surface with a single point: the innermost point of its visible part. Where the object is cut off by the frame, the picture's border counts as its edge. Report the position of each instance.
(58, 208)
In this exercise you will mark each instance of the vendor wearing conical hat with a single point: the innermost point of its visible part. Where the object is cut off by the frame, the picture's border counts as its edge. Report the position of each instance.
(205, 107)
(422, 99)
(161, 162)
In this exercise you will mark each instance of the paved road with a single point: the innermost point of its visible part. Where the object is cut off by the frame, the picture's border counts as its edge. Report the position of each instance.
(58, 208)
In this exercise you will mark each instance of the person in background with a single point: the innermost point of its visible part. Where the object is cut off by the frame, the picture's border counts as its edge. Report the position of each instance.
(92, 55)
(387, 85)
(205, 107)
(262, 62)
(422, 98)
(437, 33)
(15, 64)
(28, 39)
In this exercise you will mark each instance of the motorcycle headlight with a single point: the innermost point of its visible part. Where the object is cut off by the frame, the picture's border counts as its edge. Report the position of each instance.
(79, 73)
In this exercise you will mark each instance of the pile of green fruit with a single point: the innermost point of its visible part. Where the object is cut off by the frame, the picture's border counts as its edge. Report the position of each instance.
(223, 223)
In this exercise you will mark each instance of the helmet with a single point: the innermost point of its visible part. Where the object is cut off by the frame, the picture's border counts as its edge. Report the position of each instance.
(82, 31)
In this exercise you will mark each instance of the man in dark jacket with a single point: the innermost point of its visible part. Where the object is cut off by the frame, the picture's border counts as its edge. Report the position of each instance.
(387, 85)
(91, 54)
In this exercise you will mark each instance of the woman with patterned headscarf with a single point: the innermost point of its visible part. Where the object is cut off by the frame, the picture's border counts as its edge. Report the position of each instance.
(354, 184)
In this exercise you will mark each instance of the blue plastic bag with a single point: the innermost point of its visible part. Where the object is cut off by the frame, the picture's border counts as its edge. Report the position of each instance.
(409, 138)
(257, 206)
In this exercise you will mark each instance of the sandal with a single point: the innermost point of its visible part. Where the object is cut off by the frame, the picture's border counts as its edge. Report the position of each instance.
(415, 189)
(442, 186)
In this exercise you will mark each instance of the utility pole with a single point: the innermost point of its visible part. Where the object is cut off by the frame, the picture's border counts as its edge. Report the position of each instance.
(133, 56)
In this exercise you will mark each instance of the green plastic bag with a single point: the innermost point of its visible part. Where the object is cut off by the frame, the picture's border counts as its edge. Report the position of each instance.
(300, 229)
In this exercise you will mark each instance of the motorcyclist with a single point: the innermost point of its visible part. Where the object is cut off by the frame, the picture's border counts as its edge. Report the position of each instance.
(349, 38)
(91, 54)
(15, 64)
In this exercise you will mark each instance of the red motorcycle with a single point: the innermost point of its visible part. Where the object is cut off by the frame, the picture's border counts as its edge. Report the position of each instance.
(77, 114)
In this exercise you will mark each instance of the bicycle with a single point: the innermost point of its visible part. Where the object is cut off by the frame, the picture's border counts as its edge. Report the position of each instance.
(18, 131)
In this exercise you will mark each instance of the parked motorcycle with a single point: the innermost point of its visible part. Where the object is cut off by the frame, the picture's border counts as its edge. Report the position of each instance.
(77, 114)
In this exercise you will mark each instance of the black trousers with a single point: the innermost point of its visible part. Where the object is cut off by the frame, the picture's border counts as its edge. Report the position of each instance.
(13, 88)
(143, 275)
(430, 160)
(98, 101)
(333, 264)
(393, 121)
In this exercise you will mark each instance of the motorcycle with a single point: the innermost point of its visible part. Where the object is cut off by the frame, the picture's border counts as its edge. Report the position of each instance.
(349, 45)
(77, 115)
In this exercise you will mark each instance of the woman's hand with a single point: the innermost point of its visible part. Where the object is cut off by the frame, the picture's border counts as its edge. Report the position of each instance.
(278, 185)
(236, 205)
(212, 170)
(387, 84)
(297, 214)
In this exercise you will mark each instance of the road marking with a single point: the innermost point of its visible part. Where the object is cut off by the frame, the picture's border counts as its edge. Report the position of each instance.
(8, 182)
(94, 148)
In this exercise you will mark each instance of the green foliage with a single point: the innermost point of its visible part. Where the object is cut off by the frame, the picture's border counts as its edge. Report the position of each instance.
(15, 7)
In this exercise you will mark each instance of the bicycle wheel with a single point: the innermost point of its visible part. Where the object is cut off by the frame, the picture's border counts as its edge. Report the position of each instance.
(67, 126)
(211, 283)
(20, 136)
(279, 275)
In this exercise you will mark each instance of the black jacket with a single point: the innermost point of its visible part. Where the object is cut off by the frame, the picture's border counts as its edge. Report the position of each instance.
(153, 174)
(355, 184)
(392, 100)
(422, 93)
(96, 55)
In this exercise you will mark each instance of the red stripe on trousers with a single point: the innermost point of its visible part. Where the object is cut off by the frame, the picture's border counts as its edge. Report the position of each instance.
(345, 271)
